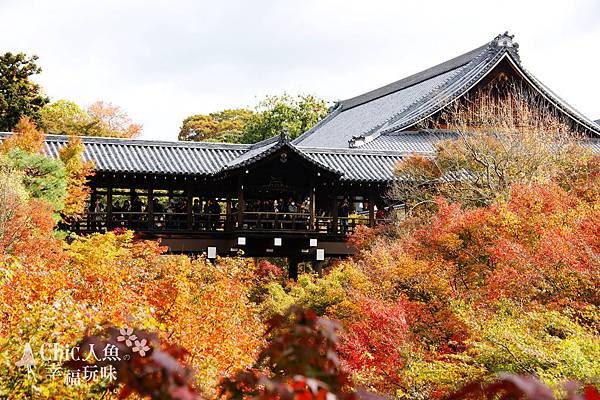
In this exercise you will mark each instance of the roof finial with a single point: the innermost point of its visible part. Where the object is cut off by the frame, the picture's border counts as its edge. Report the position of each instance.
(506, 40)
(284, 136)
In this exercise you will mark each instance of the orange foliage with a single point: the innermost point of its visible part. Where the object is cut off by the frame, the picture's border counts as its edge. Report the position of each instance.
(111, 120)
(538, 250)
(541, 245)
(112, 278)
(78, 172)
(28, 234)
(26, 137)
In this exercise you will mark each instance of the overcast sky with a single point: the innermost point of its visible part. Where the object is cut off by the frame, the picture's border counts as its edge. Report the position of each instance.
(164, 60)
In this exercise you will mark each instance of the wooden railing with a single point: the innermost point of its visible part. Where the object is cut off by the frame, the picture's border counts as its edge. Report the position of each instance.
(265, 220)
(251, 221)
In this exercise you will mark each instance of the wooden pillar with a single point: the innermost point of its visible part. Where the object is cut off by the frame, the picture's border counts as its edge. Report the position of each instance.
(91, 219)
(293, 268)
(190, 200)
(371, 209)
(228, 221)
(109, 201)
(312, 200)
(150, 208)
(132, 218)
(241, 205)
(335, 215)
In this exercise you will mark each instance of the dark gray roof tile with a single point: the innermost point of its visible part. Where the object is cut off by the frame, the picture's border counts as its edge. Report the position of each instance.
(409, 141)
(359, 166)
(143, 156)
(403, 104)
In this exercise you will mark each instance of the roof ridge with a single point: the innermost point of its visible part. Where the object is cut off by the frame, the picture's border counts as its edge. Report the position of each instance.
(375, 131)
(418, 131)
(416, 78)
(354, 152)
(264, 142)
(140, 142)
(232, 165)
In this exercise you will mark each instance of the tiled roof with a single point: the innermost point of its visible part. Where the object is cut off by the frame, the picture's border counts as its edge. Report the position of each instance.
(197, 158)
(343, 124)
(270, 146)
(360, 140)
(361, 166)
(409, 141)
(403, 104)
(424, 141)
(142, 156)
(373, 162)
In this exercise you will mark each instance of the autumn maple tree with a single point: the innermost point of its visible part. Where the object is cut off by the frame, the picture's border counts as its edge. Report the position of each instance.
(505, 134)
(78, 172)
(108, 119)
(499, 275)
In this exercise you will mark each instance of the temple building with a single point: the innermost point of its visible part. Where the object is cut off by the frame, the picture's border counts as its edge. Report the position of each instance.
(295, 198)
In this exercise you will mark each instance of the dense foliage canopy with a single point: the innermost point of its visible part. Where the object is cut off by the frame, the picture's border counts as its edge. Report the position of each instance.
(499, 275)
(100, 119)
(222, 126)
(271, 116)
(19, 95)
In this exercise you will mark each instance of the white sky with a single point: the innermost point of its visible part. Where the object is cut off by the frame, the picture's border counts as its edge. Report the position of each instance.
(164, 60)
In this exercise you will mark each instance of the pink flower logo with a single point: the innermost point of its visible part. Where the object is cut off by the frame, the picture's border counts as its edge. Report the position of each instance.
(127, 336)
(141, 347)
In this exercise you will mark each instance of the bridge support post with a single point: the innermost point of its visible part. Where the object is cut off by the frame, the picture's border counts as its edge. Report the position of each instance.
(318, 267)
(293, 268)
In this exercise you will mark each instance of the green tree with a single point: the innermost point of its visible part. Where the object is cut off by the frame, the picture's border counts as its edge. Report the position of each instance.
(276, 113)
(99, 119)
(19, 96)
(63, 117)
(222, 126)
(43, 177)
